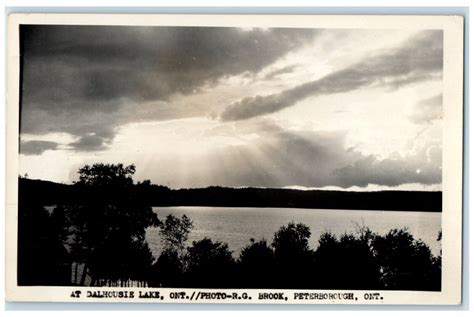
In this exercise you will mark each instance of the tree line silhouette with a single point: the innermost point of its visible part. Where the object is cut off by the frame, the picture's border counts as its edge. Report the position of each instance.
(50, 193)
(98, 239)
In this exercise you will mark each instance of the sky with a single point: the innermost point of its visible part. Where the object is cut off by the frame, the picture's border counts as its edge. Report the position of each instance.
(349, 109)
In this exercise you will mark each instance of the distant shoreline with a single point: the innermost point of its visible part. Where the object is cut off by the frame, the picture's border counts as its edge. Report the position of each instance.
(252, 207)
(41, 192)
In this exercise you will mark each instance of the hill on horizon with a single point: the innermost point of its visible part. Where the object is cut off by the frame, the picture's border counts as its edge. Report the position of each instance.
(51, 193)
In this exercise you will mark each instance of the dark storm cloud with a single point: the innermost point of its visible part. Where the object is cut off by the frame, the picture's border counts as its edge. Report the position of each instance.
(419, 58)
(77, 79)
(36, 147)
(391, 171)
(95, 63)
(89, 143)
(323, 160)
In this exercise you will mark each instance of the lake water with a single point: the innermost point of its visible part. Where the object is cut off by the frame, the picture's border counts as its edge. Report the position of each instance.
(236, 226)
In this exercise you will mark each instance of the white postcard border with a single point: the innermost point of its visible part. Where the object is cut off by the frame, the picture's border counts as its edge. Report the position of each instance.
(452, 156)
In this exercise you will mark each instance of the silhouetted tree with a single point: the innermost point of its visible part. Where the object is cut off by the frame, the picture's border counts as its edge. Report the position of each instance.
(293, 257)
(347, 262)
(109, 224)
(291, 240)
(257, 266)
(42, 256)
(169, 268)
(174, 233)
(406, 263)
(103, 176)
(435, 276)
(167, 271)
(210, 264)
(327, 265)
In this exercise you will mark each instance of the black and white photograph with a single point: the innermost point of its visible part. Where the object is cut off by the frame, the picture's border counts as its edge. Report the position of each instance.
(238, 156)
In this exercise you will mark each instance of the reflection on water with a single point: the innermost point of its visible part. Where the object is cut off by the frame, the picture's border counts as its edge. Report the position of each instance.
(236, 226)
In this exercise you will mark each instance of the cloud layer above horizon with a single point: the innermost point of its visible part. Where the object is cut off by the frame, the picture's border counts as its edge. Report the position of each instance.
(249, 107)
